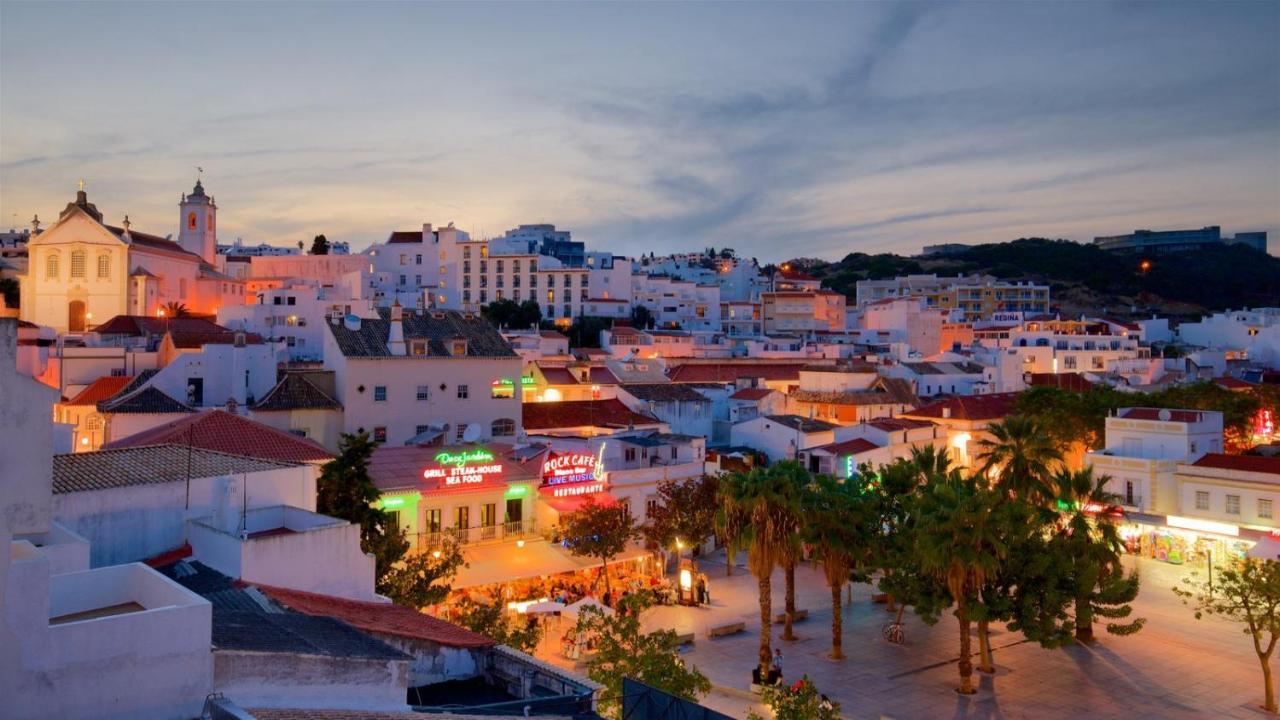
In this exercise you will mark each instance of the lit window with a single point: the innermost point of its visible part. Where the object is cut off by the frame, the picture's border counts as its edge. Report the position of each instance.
(380, 434)
(104, 266)
(77, 264)
(51, 267)
(502, 390)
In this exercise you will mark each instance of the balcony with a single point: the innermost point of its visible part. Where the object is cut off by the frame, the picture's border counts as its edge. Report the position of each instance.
(506, 532)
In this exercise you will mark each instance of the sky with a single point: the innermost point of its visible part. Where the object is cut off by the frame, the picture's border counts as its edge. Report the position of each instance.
(780, 130)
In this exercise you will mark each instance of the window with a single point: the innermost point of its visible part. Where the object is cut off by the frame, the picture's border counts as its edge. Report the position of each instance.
(503, 427)
(1098, 363)
(498, 264)
(419, 429)
(191, 221)
(1128, 492)
(404, 259)
(568, 279)
(77, 264)
(1069, 362)
(463, 394)
(433, 520)
(402, 279)
(459, 431)
(1202, 500)
(424, 393)
(380, 434)
(104, 267)
(51, 267)
(1233, 504)
(417, 259)
(630, 454)
(291, 300)
(466, 253)
(393, 521)
(533, 281)
(1264, 508)
(379, 393)
(417, 280)
(488, 514)
(300, 432)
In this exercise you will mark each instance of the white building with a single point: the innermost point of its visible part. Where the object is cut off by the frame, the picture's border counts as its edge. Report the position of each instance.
(408, 372)
(296, 315)
(677, 303)
(1144, 447)
(1248, 334)
(782, 437)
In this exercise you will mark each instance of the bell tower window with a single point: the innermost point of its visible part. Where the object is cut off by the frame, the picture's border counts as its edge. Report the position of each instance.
(191, 221)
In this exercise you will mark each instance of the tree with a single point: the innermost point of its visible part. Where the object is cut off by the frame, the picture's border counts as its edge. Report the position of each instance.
(839, 522)
(424, 578)
(502, 313)
(641, 317)
(623, 651)
(598, 531)
(754, 514)
(10, 291)
(175, 309)
(1021, 455)
(495, 623)
(320, 245)
(798, 701)
(795, 478)
(1091, 544)
(1247, 592)
(345, 490)
(686, 512)
(960, 543)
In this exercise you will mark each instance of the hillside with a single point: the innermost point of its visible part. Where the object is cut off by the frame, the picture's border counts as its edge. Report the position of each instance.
(1086, 279)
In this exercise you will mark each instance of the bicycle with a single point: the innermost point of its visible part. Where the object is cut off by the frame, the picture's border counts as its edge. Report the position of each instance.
(893, 633)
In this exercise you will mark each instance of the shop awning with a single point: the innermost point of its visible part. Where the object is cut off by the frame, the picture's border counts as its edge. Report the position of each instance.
(504, 562)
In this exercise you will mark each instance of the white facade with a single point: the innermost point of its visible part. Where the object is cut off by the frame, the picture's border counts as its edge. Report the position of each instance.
(777, 440)
(676, 303)
(1143, 448)
(295, 315)
(1254, 334)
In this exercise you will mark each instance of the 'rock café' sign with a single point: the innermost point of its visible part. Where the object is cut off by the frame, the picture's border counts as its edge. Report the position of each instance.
(570, 474)
(464, 467)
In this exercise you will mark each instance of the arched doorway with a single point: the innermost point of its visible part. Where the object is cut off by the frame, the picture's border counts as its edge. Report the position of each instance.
(75, 316)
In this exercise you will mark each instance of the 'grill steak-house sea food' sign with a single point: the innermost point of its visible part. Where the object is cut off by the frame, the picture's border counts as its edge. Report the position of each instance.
(465, 467)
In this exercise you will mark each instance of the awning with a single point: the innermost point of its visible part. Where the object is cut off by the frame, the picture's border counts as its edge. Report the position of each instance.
(488, 564)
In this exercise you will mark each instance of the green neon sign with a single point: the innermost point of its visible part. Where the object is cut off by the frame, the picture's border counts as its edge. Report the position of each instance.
(466, 457)
(516, 491)
(398, 501)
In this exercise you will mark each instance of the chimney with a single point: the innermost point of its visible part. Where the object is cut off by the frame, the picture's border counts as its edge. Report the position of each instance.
(946, 412)
(395, 342)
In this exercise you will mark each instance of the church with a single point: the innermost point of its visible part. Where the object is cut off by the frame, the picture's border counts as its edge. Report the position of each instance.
(82, 271)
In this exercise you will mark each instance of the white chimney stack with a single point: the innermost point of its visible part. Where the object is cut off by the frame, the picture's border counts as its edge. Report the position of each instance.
(395, 342)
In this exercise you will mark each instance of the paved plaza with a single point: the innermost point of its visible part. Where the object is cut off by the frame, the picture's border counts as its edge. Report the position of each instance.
(1176, 667)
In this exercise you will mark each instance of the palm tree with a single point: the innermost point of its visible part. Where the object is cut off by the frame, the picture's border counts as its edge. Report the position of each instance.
(960, 543)
(794, 478)
(1022, 455)
(1091, 542)
(839, 522)
(753, 515)
(175, 309)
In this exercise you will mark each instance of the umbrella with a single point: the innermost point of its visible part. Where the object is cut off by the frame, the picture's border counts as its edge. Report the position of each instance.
(546, 606)
(1268, 548)
(585, 602)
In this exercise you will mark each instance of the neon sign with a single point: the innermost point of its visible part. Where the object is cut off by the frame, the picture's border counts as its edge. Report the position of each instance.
(574, 490)
(569, 468)
(468, 467)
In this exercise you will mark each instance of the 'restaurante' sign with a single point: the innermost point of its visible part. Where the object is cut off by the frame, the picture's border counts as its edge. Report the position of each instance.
(465, 467)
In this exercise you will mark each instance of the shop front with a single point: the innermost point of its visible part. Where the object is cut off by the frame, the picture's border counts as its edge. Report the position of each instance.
(1185, 541)
(471, 494)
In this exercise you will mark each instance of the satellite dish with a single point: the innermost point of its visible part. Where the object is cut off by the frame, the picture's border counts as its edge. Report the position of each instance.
(471, 433)
(1165, 415)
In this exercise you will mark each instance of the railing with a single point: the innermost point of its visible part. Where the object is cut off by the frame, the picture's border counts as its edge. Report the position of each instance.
(1131, 500)
(476, 535)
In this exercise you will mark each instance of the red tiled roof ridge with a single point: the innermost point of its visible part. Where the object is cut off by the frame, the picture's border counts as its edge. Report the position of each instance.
(221, 431)
(1243, 463)
(378, 617)
(101, 389)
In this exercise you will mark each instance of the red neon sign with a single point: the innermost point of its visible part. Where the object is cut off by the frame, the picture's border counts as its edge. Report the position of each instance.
(569, 468)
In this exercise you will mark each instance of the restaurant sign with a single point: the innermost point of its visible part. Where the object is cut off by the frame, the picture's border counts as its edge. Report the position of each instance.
(464, 467)
(571, 474)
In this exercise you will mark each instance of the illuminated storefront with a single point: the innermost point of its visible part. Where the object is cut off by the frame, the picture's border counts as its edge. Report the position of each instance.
(1184, 540)
(569, 479)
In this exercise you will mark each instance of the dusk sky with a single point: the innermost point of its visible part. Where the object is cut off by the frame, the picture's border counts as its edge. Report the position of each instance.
(778, 130)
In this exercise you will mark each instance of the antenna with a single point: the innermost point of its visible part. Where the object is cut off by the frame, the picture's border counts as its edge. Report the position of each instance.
(471, 433)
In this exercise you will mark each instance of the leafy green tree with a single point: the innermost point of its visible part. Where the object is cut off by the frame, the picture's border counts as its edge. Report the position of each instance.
(798, 701)
(502, 313)
(686, 512)
(1021, 455)
(840, 522)
(961, 543)
(1091, 544)
(10, 291)
(598, 531)
(345, 490)
(423, 579)
(641, 317)
(754, 515)
(1248, 593)
(622, 651)
(495, 623)
(320, 245)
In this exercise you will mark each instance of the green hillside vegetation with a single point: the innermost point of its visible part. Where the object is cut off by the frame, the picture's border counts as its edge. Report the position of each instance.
(1083, 278)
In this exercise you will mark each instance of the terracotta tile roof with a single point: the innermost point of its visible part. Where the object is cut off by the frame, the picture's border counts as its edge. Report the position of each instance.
(885, 391)
(101, 389)
(1065, 381)
(663, 392)
(969, 407)
(137, 325)
(849, 447)
(751, 394)
(898, 423)
(731, 372)
(226, 432)
(558, 375)
(1161, 414)
(552, 335)
(602, 376)
(200, 339)
(155, 243)
(580, 413)
(436, 327)
(377, 617)
(146, 401)
(1231, 383)
(405, 236)
(296, 392)
(1245, 463)
(149, 465)
(803, 424)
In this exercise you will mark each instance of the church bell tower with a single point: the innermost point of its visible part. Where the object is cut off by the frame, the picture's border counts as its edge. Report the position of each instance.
(198, 224)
